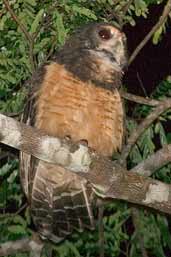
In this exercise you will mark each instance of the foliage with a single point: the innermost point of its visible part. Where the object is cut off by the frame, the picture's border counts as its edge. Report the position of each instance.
(48, 23)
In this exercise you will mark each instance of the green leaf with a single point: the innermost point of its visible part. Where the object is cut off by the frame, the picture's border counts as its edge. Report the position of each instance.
(140, 8)
(28, 216)
(18, 219)
(31, 2)
(157, 35)
(169, 138)
(164, 228)
(160, 130)
(37, 21)
(13, 176)
(2, 22)
(17, 229)
(110, 2)
(84, 11)
(61, 33)
(73, 249)
(5, 169)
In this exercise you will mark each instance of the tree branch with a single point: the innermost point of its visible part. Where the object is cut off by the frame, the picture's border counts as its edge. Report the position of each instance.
(140, 99)
(15, 18)
(119, 14)
(123, 11)
(164, 105)
(137, 224)
(37, 143)
(154, 162)
(162, 20)
(25, 32)
(107, 178)
(146, 167)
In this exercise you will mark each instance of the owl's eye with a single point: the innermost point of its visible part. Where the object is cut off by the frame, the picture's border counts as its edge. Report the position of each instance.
(105, 34)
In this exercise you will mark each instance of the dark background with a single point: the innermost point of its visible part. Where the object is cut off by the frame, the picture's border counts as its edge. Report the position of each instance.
(153, 63)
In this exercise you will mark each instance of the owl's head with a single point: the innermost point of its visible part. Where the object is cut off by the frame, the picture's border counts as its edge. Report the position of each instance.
(96, 53)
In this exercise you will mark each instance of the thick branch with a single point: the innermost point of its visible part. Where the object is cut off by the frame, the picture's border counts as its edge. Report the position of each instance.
(108, 179)
(37, 143)
(162, 20)
(156, 160)
(115, 182)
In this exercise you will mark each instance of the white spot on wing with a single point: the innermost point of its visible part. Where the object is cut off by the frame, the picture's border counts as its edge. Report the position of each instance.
(76, 161)
(80, 158)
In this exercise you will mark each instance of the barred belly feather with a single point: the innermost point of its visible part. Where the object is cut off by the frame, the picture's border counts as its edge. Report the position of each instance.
(68, 106)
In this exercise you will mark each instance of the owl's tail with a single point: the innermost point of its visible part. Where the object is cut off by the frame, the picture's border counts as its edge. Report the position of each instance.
(61, 202)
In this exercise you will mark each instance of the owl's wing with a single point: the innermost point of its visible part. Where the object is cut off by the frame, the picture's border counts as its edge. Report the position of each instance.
(60, 201)
(28, 163)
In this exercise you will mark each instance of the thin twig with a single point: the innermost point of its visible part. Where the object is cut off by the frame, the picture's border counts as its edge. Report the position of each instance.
(15, 18)
(13, 114)
(101, 229)
(125, 8)
(162, 20)
(21, 209)
(136, 221)
(141, 84)
(12, 215)
(166, 104)
(25, 32)
(140, 99)
(119, 15)
(31, 56)
(48, 249)
(115, 2)
(53, 44)
(39, 27)
(123, 11)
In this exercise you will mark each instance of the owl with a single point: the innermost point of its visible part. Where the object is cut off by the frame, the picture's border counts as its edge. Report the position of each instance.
(75, 96)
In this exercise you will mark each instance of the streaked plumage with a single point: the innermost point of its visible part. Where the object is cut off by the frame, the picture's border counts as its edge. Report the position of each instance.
(76, 96)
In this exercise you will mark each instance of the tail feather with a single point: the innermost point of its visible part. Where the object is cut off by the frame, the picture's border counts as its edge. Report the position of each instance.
(59, 208)
(72, 217)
